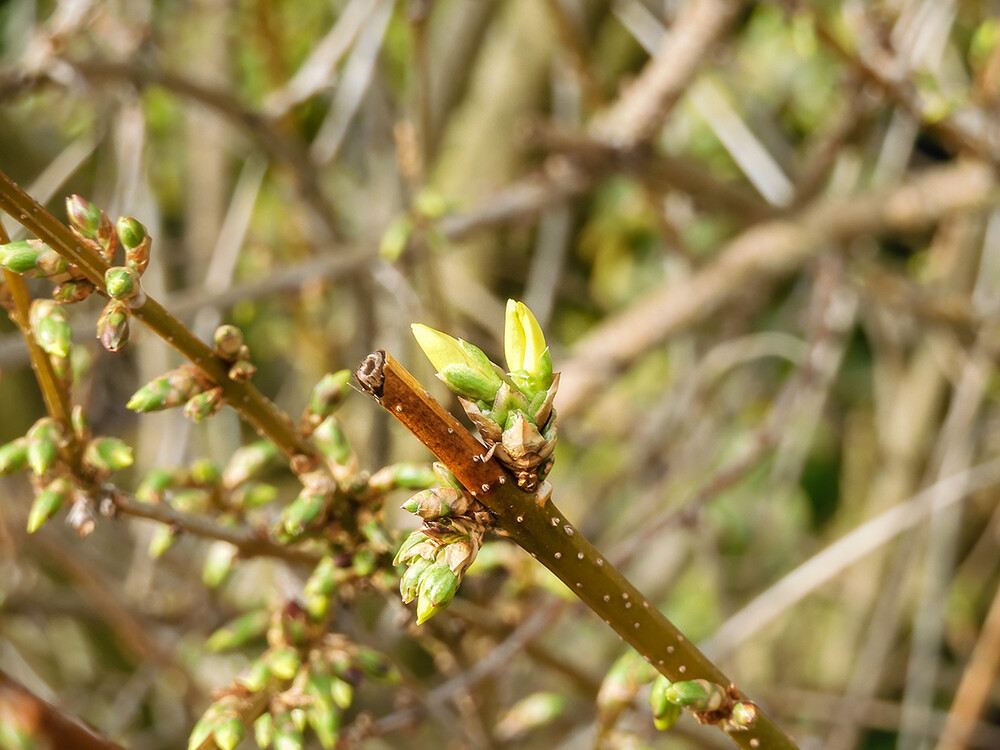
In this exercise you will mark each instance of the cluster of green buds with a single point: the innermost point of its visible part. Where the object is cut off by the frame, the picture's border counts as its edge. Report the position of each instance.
(308, 511)
(512, 410)
(305, 678)
(44, 450)
(711, 703)
(227, 343)
(206, 489)
(438, 554)
(52, 331)
(187, 385)
(95, 230)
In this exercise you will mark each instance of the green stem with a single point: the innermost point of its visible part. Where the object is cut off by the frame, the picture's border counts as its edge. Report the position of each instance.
(249, 402)
(539, 527)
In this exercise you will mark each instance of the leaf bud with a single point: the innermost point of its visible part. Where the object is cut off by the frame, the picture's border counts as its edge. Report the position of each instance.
(13, 456)
(112, 326)
(107, 454)
(203, 405)
(48, 502)
(227, 342)
(51, 328)
(329, 393)
(249, 462)
(135, 239)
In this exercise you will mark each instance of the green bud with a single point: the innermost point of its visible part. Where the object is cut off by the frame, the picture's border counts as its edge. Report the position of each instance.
(155, 482)
(436, 590)
(191, 500)
(535, 711)
(249, 462)
(341, 692)
(365, 563)
(13, 456)
(462, 366)
(84, 216)
(253, 495)
(322, 715)
(131, 232)
(621, 684)
(242, 370)
(302, 512)
(444, 476)
(323, 580)
(468, 382)
(396, 237)
(227, 342)
(202, 730)
(437, 502)
(22, 257)
(203, 405)
(376, 665)
(287, 735)
(331, 441)
(48, 502)
(329, 393)
(206, 472)
(51, 328)
(163, 538)
(415, 537)
(743, 715)
(229, 733)
(376, 535)
(523, 340)
(112, 326)
(256, 677)
(68, 292)
(107, 454)
(79, 422)
(430, 203)
(698, 695)
(284, 662)
(44, 439)
(239, 631)
(168, 390)
(123, 283)
(218, 563)
(136, 242)
(410, 582)
(263, 730)
(665, 713)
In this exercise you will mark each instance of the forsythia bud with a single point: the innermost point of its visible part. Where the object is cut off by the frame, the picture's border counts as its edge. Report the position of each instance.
(112, 326)
(123, 284)
(48, 502)
(227, 341)
(107, 454)
(51, 329)
(203, 405)
(329, 393)
(13, 456)
(136, 241)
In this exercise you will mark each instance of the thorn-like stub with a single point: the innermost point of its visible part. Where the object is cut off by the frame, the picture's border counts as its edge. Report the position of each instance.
(371, 373)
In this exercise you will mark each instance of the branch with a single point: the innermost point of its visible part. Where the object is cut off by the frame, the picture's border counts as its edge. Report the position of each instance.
(250, 542)
(641, 111)
(767, 251)
(24, 714)
(539, 527)
(250, 403)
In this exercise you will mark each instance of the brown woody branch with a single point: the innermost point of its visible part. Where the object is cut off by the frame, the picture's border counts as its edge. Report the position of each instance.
(539, 527)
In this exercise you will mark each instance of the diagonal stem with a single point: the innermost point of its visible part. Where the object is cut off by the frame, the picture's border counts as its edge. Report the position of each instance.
(539, 527)
(249, 402)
